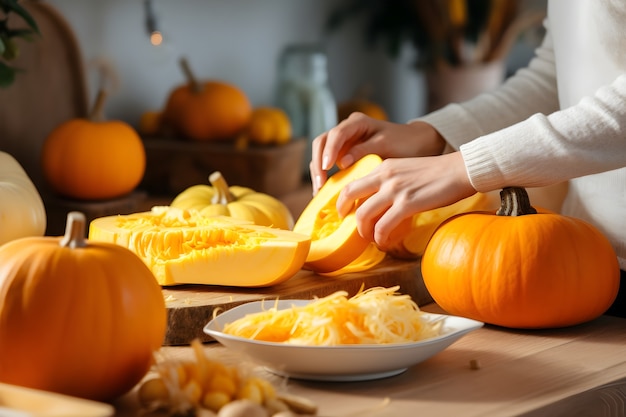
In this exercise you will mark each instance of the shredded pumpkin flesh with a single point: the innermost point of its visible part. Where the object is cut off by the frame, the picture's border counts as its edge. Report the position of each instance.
(171, 234)
(373, 316)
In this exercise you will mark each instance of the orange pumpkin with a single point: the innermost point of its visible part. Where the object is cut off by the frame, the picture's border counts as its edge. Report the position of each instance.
(368, 107)
(93, 159)
(77, 317)
(362, 103)
(207, 111)
(521, 268)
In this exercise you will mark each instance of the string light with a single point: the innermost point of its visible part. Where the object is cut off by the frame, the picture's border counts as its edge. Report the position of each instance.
(156, 37)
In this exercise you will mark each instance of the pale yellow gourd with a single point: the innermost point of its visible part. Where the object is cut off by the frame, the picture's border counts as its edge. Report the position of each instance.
(22, 212)
(220, 199)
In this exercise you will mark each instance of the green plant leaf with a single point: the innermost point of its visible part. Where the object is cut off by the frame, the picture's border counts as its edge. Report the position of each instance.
(7, 75)
(14, 6)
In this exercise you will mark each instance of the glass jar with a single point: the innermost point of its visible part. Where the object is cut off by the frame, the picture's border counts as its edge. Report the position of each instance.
(304, 93)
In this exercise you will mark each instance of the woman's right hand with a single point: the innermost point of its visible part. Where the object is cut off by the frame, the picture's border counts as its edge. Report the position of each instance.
(360, 135)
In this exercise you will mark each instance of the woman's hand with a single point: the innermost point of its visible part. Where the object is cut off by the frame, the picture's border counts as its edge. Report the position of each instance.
(399, 188)
(360, 135)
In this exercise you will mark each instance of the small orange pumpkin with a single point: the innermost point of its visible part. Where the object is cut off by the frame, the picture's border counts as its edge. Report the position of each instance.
(77, 317)
(93, 159)
(521, 268)
(207, 111)
(362, 103)
(268, 126)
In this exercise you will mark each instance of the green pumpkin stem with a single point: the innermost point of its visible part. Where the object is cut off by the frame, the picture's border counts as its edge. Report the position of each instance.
(222, 192)
(514, 201)
(74, 231)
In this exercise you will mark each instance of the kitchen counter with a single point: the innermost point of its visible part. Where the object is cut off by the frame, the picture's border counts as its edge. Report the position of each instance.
(579, 370)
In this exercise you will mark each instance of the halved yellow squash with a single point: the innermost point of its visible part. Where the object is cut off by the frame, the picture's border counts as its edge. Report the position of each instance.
(335, 242)
(184, 247)
(409, 240)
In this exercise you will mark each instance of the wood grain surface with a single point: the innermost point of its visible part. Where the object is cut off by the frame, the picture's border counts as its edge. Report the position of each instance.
(577, 371)
(190, 307)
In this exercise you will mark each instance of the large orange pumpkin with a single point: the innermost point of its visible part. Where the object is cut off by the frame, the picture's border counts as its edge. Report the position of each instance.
(93, 158)
(77, 317)
(207, 111)
(521, 268)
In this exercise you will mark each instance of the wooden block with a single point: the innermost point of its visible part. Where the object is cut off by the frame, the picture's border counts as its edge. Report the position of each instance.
(58, 207)
(191, 307)
(175, 164)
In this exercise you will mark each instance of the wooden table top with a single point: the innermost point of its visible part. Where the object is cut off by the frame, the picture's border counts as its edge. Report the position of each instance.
(579, 370)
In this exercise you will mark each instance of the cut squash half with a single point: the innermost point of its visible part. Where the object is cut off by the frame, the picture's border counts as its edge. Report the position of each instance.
(335, 241)
(185, 247)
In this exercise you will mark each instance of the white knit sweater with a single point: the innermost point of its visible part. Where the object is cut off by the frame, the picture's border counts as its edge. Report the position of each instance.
(561, 118)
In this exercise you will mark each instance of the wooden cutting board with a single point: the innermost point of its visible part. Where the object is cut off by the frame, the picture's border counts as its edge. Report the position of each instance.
(191, 307)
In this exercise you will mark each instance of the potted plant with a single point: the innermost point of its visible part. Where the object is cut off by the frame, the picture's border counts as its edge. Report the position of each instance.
(454, 39)
(9, 49)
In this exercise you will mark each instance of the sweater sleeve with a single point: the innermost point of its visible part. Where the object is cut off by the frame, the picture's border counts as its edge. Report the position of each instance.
(584, 139)
(531, 90)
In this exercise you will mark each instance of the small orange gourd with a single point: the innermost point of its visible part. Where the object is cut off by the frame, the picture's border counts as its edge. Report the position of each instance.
(207, 111)
(93, 158)
(362, 103)
(520, 267)
(77, 317)
(268, 126)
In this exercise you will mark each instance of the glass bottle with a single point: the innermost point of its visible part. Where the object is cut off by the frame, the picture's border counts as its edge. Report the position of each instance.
(303, 91)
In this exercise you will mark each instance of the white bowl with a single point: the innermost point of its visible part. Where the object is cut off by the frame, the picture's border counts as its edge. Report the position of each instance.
(336, 363)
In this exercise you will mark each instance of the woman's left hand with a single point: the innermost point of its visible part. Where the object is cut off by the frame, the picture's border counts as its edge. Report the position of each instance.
(401, 187)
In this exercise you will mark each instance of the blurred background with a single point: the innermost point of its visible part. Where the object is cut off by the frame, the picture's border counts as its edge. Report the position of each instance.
(240, 41)
(403, 57)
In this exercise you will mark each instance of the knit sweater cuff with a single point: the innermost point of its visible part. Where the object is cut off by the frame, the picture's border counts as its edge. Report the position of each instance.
(482, 169)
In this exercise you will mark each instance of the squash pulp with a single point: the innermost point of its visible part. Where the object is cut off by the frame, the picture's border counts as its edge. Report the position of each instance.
(335, 241)
(184, 247)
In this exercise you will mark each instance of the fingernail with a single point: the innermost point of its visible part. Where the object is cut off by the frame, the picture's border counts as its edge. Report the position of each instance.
(318, 182)
(325, 162)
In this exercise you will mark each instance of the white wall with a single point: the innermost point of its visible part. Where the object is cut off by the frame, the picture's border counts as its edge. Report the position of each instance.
(232, 40)
(237, 41)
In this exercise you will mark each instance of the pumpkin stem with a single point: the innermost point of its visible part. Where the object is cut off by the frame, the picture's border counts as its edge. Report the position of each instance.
(74, 231)
(514, 201)
(195, 86)
(222, 192)
(97, 112)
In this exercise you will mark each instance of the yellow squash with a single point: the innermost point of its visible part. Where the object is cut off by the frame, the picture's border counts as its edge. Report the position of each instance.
(409, 240)
(337, 247)
(218, 199)
(185, 247)
(335, 241)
